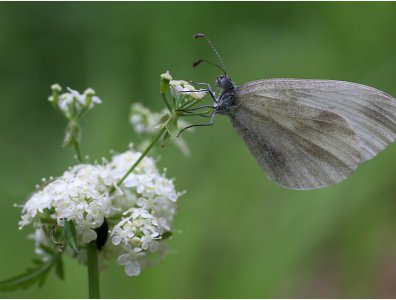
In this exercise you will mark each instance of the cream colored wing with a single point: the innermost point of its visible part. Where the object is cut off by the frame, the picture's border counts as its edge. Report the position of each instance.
(298, 146)
(370, 112)
(313, 133)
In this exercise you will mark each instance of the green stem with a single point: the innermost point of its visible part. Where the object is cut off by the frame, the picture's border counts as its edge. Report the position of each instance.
(166, 102)
(78, 151)
(188, 104)
(93, 271)
(153, 142)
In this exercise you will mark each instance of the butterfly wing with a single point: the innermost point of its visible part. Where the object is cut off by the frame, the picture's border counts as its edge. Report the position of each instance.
(370, 112)
(305, 134)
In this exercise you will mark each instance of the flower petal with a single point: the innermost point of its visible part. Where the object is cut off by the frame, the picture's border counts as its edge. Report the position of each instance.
(132, 268)
(89, 235)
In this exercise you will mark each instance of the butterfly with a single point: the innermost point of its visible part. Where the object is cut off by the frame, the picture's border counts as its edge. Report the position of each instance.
(306, 134)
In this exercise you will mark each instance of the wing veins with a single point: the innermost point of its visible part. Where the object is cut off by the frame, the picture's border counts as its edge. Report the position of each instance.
(306, 139)
(300, 117)
(376, 118)
(364, 126)
(309, 178)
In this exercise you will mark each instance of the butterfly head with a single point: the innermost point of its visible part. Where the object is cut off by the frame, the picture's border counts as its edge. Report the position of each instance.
(224, 82)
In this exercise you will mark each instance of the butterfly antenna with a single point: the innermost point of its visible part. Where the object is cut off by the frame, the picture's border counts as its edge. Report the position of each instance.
(208, 62)
(201, 35)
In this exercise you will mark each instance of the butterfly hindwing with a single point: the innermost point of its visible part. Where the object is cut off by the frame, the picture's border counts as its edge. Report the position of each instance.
(300, 146)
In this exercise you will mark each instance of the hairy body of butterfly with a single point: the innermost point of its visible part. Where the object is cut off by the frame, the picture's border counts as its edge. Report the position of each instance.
(308, 134)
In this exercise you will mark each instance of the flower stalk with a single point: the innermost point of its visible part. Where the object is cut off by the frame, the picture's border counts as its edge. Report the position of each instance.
(78, 151)
(93, 271)
(92, 251)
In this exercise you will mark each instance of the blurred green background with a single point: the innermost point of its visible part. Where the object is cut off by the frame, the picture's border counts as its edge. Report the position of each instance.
(239, 235)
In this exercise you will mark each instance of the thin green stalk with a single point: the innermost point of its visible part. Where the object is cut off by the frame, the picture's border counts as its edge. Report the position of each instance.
(166, 102)
(188, 104)
(145, 152)
(93, 271)
(92, 252)
(78, 151)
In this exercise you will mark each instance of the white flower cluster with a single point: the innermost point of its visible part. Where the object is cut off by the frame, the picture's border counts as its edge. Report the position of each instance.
(73, 103)
(144, 120)
(139, 213)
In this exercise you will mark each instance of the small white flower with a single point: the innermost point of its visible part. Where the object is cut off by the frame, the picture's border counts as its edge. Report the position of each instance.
(149, 242)
(65, 102)
(122, 233)
(139, 212)
(136, 243)
(76, 96)
(182, 87)
(130, 261)
(73, 210)
(84, 228)
(89, 92)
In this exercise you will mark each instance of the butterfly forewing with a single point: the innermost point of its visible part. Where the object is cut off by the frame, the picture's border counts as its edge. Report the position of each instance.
(370, 112)
(312, 133)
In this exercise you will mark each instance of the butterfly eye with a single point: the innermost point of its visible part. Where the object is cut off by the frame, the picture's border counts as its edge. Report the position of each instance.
(224, 82)
(219, 80)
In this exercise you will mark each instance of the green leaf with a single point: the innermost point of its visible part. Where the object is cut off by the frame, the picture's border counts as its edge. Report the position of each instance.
(71, 236)
(36, 261)
(172, 127)
(59, 268)
(166, 235)
(164, 119)
(43, 277)
(33, 275)
(48, 250)
(49, 211)
(57, 234)
(166, 136)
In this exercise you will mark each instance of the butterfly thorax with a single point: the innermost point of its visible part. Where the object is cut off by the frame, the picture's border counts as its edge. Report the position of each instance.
(226, 101)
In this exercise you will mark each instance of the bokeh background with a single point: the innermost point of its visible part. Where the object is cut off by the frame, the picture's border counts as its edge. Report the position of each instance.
(238, 234)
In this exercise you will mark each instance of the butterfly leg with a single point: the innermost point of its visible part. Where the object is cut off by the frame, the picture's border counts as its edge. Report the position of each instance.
(211, 93)
(195, 111)
(212, 117)
(189, 114)
(208, 89)
(196, 108)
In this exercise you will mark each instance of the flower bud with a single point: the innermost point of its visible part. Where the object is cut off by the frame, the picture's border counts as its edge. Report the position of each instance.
(164, 82)
(56, 88)
(54, 98)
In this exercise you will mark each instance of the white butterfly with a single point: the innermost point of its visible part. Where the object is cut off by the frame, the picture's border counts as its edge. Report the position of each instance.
(307, 134)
